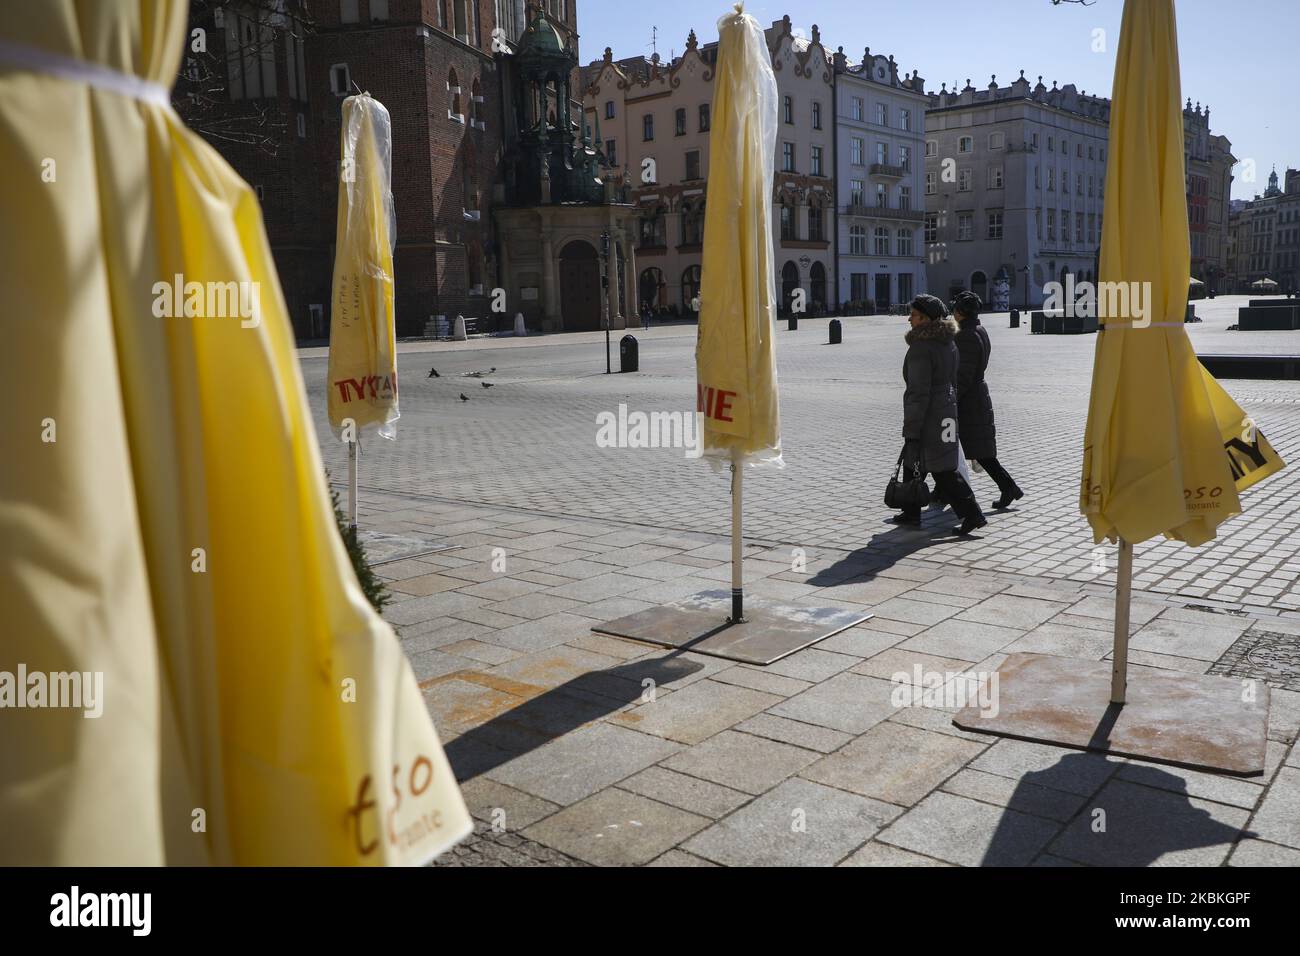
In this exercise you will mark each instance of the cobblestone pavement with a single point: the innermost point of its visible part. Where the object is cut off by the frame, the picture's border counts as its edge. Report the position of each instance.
(529, 442)
(565, 757)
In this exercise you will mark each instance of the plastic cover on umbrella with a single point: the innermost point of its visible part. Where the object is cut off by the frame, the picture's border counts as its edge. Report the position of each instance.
(735, 353)
(362, 377)
(166, 536)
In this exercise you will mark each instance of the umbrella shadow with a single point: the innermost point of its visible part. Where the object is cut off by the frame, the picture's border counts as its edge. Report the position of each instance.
(563, 709)
(1130, 821)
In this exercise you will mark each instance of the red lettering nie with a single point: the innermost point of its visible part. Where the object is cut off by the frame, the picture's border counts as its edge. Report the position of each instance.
(713, 402)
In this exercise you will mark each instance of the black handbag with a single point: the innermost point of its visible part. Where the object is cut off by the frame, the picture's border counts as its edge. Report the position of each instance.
(904, 493)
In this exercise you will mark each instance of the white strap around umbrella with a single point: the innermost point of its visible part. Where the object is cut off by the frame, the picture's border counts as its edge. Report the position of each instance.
(83, 71)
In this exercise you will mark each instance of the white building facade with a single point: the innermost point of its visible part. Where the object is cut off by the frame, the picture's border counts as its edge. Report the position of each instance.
(880, 140)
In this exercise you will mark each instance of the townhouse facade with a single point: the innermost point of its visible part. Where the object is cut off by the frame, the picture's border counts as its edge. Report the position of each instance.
(1266, 237)
(653, 122)
(880, 141)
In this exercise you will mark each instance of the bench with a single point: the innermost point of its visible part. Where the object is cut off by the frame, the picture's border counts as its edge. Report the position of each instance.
(1276, 367)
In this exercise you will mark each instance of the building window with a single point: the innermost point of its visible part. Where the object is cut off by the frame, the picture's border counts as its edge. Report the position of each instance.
(905, 158)
(859, 290)
(1037, 183)
(454, 111)
(378, 9)
(1078, 228)
(882, 197)
(611, 152)
(964, 221)
(693, 223)
(932, 147)
(963, 180)
(476, 106)
(904, 242)
(929, 184)
(855, 151)
(1078, 184)
(816, 168)
(995, 177)
(882, 154)
(815, 233)
(1051, 225)
(905, 119)
(1065, 227)
(882, 241)
(653, 234)
(680, 119)
(882, 114)
(995, 224)
(341, 82)
(787, 110)
(1033, 140)
(609, 109)
(932, 227)
(1051, 179)
(855, 108)
(692, 164)
(904, 197)
(857, 241)
(1065, 147)
(787, 222)
(857, 192)
(704, 117)
(1090, 186)
(348, 11)
(997, 140)
(816, 115)
(965, 144)
(1078, 151)
(787, 157)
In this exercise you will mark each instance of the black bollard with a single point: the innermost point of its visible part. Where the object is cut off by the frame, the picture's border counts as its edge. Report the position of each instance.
(837, 332)
(627, 354)
(1015, 318)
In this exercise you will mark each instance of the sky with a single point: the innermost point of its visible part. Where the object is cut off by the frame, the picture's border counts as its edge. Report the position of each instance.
(1239, 57)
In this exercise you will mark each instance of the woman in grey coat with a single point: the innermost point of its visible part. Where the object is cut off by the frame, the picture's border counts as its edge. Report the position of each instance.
(930, 410)
(975, 425)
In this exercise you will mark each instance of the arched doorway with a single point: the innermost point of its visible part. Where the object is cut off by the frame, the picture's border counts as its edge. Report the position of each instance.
(979, 284)
(579, 287)
(817, 286)
(690, 289)
(651, 289)
(789, 282)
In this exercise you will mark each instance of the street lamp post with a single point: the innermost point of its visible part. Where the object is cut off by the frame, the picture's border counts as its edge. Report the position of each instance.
(1025, 270)
(604, 293)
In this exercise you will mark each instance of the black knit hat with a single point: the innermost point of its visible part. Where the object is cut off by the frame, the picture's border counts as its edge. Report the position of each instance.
(930, 306)
(968, 304)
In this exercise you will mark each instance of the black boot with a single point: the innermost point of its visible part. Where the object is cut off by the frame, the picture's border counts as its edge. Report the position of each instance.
(1008, 496)
(971, 523)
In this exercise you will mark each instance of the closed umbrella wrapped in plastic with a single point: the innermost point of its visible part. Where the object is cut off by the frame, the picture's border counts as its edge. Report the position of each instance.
(735, 352)
(165, 528)
(362, 376)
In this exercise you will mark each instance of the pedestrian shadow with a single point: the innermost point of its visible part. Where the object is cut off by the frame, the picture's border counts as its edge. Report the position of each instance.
(560, 710)
(885, 549)
(1134, 820)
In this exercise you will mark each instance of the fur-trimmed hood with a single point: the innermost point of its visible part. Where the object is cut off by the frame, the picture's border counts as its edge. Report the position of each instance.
(940, 330)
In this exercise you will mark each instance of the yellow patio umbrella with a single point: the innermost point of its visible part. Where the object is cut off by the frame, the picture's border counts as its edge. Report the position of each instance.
(362, 378)
(1154, 450)
(735, 353)
(165, 529)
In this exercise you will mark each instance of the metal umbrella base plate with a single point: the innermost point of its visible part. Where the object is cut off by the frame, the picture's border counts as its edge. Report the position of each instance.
(699, 623)
(1207, 723)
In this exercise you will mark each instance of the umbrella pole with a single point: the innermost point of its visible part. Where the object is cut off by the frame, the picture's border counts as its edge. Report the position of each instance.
(737, 581)
(1123, 591)
(352, 484)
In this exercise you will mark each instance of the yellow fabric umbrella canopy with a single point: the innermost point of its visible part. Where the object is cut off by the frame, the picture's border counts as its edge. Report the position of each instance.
(735, 353)
(165, 528)
(1154, 450)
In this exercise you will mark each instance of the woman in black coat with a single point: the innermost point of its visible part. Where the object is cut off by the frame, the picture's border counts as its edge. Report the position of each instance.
(930, 410)
(974, 404)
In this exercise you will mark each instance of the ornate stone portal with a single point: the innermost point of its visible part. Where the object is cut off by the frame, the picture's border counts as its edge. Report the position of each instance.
(556, 205)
